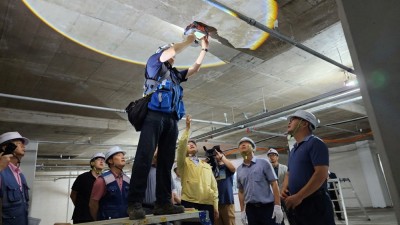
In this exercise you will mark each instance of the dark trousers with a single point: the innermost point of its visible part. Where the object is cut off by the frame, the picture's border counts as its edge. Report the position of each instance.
(202, 207)
(314, 210)
(159, 129)
(260, 214)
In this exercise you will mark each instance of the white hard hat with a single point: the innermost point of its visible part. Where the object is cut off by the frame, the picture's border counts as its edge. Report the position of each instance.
(97, 155)
(114, 150)
(272, 151)
(307, 116)
(248, 140)
(11, 136)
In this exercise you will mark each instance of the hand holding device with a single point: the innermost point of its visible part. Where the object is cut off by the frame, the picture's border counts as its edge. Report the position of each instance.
(10, 148)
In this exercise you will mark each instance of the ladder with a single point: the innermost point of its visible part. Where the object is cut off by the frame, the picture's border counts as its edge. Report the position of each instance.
(193, 215)
(340, 184)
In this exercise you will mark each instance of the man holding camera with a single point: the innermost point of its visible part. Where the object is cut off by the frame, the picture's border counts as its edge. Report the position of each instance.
(199, 187)
(14, 188)
(226, 204)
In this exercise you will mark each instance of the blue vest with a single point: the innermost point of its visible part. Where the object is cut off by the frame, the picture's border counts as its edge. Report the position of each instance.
(15, 201)
(115, 202)
(168, 93)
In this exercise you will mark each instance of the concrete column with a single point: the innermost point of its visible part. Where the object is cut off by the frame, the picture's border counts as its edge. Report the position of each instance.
(376, 186)
(28, 165)
(372, 32)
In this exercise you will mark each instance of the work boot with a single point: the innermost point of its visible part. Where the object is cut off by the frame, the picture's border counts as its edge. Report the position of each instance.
(136, 212)
(168, 208)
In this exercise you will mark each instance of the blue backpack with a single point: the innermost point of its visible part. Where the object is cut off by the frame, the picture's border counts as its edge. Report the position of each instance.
(166, 91)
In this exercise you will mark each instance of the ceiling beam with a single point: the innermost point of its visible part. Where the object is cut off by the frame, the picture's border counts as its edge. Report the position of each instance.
(355, 108)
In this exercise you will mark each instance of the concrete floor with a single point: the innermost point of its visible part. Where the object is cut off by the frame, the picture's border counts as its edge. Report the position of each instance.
(376, 215)
(379, 216)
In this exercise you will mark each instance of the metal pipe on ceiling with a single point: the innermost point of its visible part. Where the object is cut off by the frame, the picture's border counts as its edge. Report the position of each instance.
(276, 115)
(92, 107)
(253, 129)
(85, 143)
(341, 129)
(347, 121)
(326, 125)
(54, 175)
(323, 107)
(209, 122)
(276, 118)
(57, 166)
(276, 34)
(61, 103)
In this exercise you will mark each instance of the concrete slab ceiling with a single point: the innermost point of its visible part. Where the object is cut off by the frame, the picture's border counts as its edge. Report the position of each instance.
(92, 52)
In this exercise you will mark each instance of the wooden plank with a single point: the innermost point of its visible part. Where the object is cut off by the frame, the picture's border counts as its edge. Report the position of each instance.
(193, 215)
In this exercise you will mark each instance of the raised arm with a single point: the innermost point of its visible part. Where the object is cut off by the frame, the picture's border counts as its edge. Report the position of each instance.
(182, 146)
(226, 161)
(177, 48)
(196, 66)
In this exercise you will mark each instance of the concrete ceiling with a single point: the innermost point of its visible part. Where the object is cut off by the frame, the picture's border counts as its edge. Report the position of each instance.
(92, 53)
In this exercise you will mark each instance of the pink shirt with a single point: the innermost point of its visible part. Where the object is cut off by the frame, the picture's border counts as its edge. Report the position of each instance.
(99, 186)
(16, 171)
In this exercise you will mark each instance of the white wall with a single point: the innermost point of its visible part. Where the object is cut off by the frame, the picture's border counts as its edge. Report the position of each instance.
(51, 202)
(345, 162)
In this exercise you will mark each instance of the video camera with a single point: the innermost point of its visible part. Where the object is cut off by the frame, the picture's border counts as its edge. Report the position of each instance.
(10, 148)
(212, 160)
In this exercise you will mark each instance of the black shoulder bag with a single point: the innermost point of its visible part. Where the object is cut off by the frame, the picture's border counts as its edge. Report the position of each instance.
(137, 110)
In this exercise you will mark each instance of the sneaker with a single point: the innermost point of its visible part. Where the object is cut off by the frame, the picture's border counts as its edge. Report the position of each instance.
(136, 212)
(168, 209)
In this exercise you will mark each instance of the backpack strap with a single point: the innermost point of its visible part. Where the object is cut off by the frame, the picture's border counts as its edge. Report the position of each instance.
(152, 83)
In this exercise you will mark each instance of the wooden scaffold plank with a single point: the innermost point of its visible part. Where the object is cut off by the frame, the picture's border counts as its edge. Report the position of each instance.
(193, 215)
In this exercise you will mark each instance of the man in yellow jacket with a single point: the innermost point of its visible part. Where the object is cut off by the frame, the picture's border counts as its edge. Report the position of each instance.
(199, 187)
